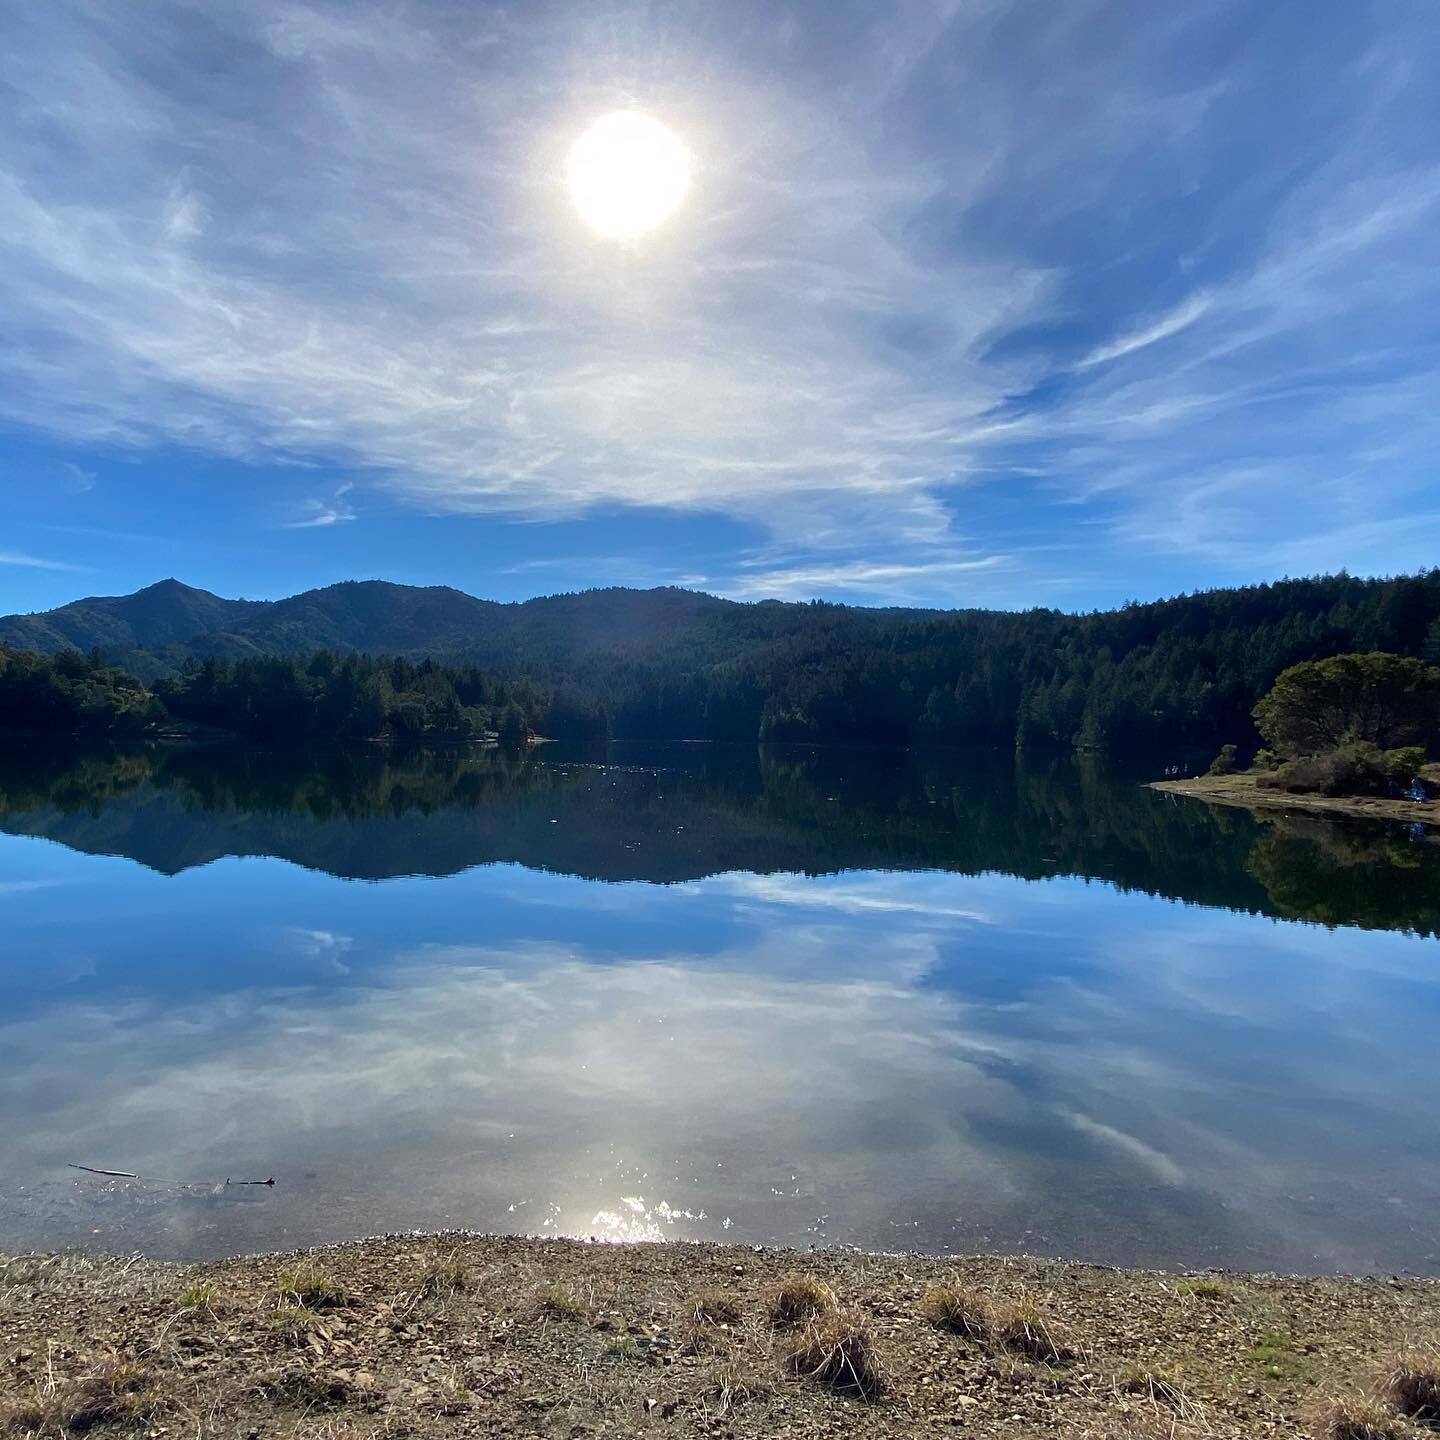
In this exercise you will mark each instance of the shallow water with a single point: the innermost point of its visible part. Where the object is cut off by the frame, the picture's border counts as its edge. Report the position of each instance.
(880, 998)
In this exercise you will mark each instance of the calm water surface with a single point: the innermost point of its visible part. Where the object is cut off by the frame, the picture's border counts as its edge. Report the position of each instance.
(878, 998)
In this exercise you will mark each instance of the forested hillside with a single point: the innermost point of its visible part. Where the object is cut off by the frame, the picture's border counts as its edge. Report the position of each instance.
(677, 664)
(282, 698)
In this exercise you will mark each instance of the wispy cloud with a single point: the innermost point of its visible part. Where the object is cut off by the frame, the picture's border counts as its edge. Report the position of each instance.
(317, 513)
(864, 577)
(1116, 271)
(33, 562)
(1151, 333)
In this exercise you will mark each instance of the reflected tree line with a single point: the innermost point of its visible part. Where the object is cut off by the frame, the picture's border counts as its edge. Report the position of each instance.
(674, 813)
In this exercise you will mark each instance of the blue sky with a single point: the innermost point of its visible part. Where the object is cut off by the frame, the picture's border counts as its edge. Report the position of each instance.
(995, 302)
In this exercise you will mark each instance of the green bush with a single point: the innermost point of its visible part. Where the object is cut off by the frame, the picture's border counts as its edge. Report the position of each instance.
(1224, 762)
(1405, 764)
(1351, 770)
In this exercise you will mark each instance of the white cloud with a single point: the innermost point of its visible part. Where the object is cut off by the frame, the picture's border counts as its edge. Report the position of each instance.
(1171, 323)
(318, 513)
(353, 247)
(33, 562)
(891, 581)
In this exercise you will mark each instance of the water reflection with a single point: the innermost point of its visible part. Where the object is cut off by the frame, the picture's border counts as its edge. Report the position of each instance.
(674, 813)
(949, 1058)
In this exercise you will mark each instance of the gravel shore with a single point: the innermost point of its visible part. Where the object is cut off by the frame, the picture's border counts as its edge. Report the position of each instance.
(463, 1335)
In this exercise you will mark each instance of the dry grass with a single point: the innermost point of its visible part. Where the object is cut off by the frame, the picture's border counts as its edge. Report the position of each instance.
(958, 1309)
(738, 1378)
(1204, 1287)
(1358, 1420)
(313, 1288)
(198, 1298)
(119, 1392)
(1022, 1327)
(295, 1322)
(1163, 1388)
(444, 1273)
(798, 1299)
(316, 1389)
(714, 1307)
(1413, 1389)
(837, 1349)
(563, 1302)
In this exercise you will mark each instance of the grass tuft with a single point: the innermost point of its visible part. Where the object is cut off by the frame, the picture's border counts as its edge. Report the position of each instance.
(958, 1309)
(801, 1298)
(1203, 1286)
(119, 1393)
(836, 1349)
(738, 1378)
(1022, 1327)
(317, 1389)
(1413, 1390)
(198, 1297)
(714, 1307)
(562, 1302)
(1160, 1387)
(295, 1322)
(311, 1287)
(1358, 1420)
(1276, 1355)
(444, 1275)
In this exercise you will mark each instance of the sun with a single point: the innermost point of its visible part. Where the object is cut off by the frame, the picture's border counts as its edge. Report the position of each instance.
(627, 173)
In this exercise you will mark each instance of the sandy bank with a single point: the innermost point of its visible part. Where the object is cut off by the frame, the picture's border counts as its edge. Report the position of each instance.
(1243, 790)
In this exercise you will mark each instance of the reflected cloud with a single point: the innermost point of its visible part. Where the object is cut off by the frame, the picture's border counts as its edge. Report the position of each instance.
(903, 1068)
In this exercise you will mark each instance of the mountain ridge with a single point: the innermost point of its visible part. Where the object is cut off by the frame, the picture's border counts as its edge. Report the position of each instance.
(171, 619)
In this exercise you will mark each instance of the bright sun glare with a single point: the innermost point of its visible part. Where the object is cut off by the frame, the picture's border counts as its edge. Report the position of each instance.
(627, 173)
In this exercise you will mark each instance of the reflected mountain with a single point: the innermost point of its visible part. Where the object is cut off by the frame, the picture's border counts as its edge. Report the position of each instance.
(678, 813)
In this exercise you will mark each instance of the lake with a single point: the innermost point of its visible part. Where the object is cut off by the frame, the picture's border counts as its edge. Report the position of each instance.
(898, 1000)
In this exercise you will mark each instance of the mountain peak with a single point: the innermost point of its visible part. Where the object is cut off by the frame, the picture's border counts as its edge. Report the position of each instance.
(170, 586)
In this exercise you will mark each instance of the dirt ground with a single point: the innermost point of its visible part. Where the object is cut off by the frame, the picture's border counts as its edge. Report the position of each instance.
(467, 1336)
(1243, 790)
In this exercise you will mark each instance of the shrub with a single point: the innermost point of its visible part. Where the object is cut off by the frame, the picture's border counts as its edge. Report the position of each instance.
(799, 1298)
(958, 1309)
(1405, 764)
(836, 1349)
(1265, 760)
(1353, 770)
(1224, 762)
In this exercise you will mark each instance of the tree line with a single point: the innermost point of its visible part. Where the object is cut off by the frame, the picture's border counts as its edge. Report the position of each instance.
(1176, 674)
(274, 698)
(1180, 675)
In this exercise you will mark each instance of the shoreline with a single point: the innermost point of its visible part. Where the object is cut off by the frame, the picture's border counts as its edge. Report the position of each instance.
(1243, 790)
(459, 1334)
